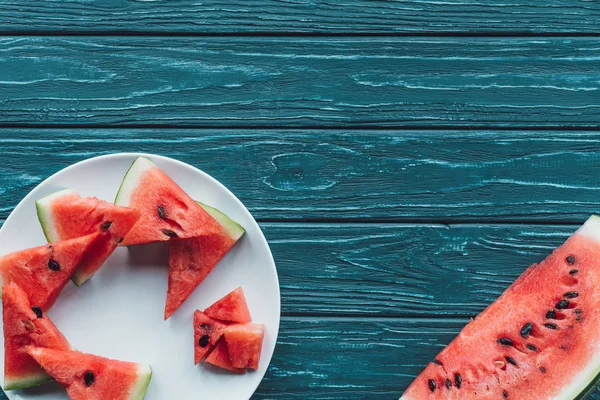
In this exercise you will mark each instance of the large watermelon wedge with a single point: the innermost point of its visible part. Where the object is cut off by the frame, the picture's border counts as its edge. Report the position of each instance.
(166, 210)
(538, 341)
(191, 260)
(25, 325)
(66, 215)
(89, 377)
(42, 272)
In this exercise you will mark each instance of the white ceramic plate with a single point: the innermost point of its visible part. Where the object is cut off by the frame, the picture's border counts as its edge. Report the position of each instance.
(119, 312)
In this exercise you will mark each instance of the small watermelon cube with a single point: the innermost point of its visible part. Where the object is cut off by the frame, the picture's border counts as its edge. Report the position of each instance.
(207, 332)
(244, 342)
(231, 308)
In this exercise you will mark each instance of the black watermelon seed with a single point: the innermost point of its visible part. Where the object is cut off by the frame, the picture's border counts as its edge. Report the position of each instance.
(573, 271)
(106, 226)
(448, 384)
(571, 295)
(89, 378)
(457, 380)
(543, 369)
(526, 330)
(204, 340)
(169, 233)
(510, 360)
(571, 260)
(161, 213)
(562, 305)
(505, 394)
(53, 265)
(207, 328)
(578, 313)
(432, 385)
(551, 314)
(38, 311)
(551, 326)
(437, 362)
(531, 347)
(505, 341)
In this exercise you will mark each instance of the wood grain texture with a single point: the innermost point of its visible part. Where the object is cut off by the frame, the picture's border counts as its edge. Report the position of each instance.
(349, 175)
(310, 16)
(300, 82)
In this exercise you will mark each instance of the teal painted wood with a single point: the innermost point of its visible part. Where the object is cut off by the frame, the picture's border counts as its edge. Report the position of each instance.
(300, 82)
(321, 16)
(349, 175)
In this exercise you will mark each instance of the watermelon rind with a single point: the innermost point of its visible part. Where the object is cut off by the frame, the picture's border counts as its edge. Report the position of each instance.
(233, 229)
(141, 386)
(132, 179)
(44, 213)
(27, 381)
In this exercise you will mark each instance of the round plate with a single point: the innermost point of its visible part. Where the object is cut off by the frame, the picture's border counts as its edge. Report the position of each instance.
(119, 312)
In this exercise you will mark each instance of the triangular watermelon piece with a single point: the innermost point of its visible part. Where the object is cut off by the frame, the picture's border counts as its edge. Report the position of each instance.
(89, 377)
(66, 215)
(231, 308)
(191, 260)
(207, 332)
(244, 343)
(219, 357)
(166, 210)
(43, 271)
(25, 325)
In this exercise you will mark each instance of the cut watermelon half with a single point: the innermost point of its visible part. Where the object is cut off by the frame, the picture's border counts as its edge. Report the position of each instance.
(244, 343)
(219, 357)
(191, 260)
(231, 308)
(538, 340)
(207, 332)
(66, 215)
(25, 325)
(87, 376)
(167, 212)
(42, 272)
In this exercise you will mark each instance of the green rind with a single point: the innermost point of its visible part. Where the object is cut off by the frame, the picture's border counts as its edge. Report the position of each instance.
(233, 229)
(44, 213)
(26, 382)
(131, 179)
(141, 386)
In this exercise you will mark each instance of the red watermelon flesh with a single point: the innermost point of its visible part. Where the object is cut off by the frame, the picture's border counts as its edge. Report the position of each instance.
(244, 342)
(43, 271)
(231, 308)
(191, 260)
(538, 340)
(207, 332)
(219, 357)
(166, 210)
(23, 327)
(89, 377)
(66, 215)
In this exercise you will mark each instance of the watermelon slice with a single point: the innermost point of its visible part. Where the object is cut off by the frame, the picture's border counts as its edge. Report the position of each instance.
(191, 260)
(25, 325)
(66, 215)
(166, 210)
(219, 357)
(244, 342)
(207, 332)
(43, 271)
(231, 308)
(538, 340)
(89, 377)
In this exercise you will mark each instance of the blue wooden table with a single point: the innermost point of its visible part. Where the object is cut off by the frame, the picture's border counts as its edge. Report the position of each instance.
(406, 159)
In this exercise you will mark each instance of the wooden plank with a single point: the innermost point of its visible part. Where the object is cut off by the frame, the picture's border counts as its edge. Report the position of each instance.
(300, 82)
(353, 359)
(349, 175)
(275, 16)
